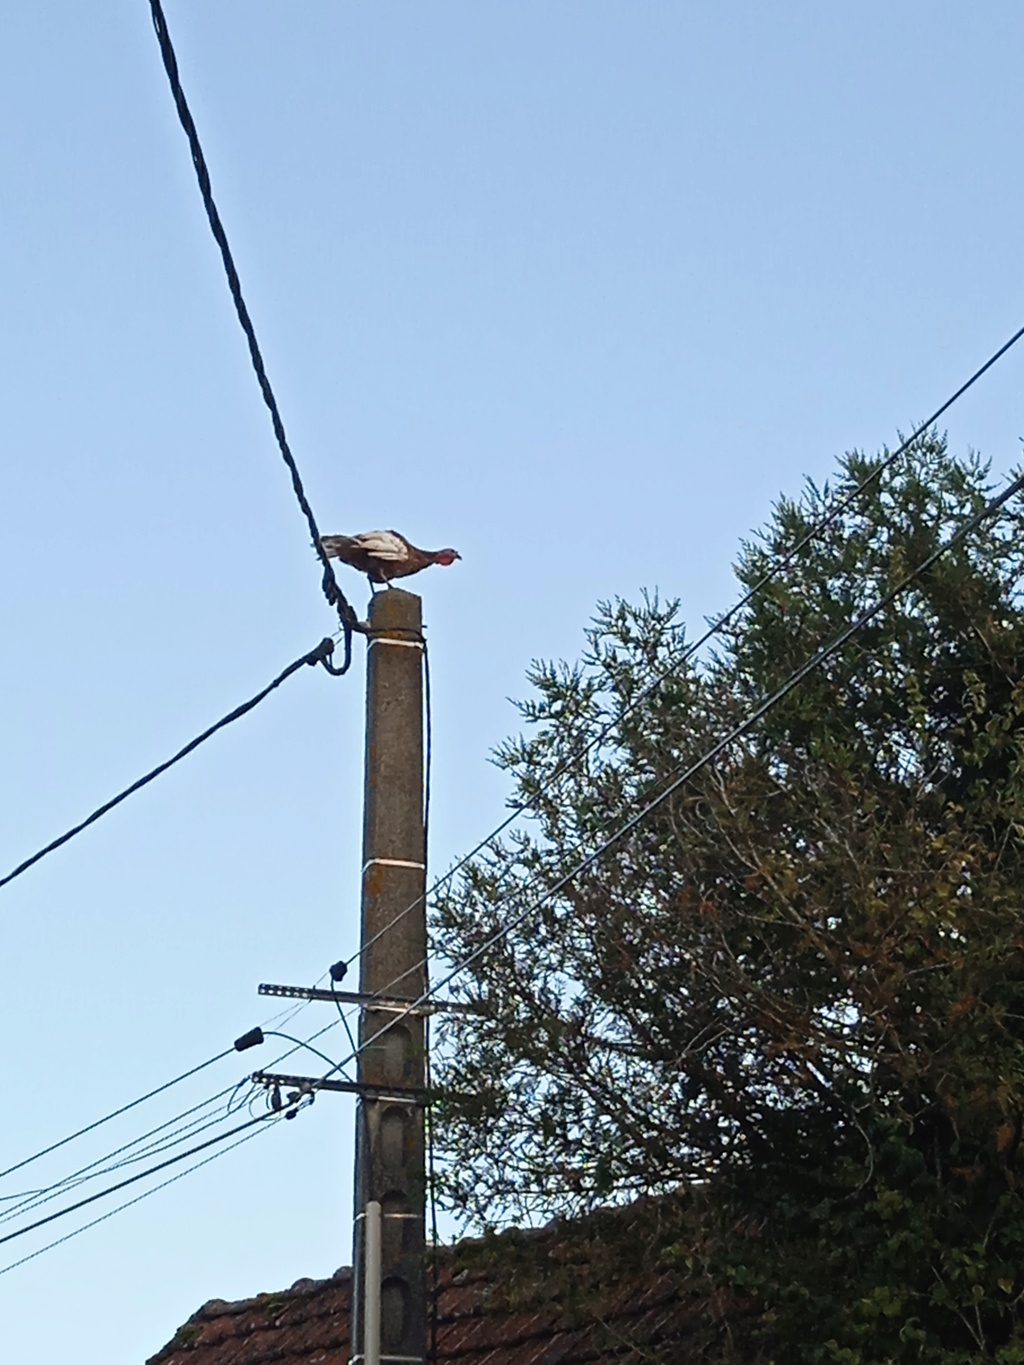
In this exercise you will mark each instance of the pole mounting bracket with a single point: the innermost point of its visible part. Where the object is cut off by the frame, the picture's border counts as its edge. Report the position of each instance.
(397, 1094)
(370, 1001)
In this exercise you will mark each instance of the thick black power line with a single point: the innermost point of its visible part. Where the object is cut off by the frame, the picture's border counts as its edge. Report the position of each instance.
(320, 655)
(331, 588)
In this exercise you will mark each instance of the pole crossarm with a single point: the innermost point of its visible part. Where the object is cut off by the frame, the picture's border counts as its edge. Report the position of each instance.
(396, 1094)
(370, 1001)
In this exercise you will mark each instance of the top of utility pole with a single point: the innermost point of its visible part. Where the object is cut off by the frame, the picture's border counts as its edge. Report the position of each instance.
(396, 609)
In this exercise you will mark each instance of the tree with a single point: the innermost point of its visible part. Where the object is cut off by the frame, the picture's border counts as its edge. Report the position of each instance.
(797, 986)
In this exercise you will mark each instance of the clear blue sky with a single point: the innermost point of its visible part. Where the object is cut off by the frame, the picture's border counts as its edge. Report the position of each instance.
(576, 287)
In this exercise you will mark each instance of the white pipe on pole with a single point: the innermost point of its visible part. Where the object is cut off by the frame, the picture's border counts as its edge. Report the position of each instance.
(372, 1272)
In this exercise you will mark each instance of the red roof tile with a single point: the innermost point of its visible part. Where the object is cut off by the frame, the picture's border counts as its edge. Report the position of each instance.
(517, 1299)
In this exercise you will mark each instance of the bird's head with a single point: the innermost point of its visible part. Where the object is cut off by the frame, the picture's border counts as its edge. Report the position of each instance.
(446, 557)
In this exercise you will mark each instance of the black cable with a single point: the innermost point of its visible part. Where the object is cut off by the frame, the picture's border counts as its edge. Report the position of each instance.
(343, 1018)
(318, 1034)
(331, 588)
(105, 1165)
(320, 655)
(139, 1197)
(132, 1179)
(211, 1099)
(116, 1114)
(202, 174)
(276, 1033)
(738, 731)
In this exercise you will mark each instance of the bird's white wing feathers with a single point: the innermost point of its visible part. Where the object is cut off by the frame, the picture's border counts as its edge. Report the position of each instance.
(382, 545)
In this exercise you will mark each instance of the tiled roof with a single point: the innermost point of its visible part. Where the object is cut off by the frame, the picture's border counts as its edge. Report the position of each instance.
(305, 1325)
(520, 1299)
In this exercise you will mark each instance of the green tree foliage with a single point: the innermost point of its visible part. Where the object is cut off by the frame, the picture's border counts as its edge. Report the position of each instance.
(797, 987)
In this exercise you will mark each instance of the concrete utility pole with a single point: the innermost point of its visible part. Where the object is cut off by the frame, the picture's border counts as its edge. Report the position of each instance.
(390, 1165)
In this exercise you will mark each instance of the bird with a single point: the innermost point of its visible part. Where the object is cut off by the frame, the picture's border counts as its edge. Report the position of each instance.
(383, 555)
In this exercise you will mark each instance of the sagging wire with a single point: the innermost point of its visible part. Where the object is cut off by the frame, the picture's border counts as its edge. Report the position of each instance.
(30, 1199)
(130, 1180)
(320, 655)
(268, 1120)
(275, 1033)
(93, 1170)
(53, 1147)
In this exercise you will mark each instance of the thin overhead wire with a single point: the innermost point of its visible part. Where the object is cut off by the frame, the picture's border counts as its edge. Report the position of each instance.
(826, 652)
(308, 1047)
(320, 655)
(116, 1113)
(132, 1179)
(272, 1120)
(129, 1152)
(33, 1196)
(828, 519)
(331, 588)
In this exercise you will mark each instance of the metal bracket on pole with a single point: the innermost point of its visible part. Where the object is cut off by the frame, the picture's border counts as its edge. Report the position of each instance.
(370, 1001)
(396, 1094)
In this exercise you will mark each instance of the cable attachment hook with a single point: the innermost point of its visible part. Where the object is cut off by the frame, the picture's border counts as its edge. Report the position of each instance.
(324, 651)
(349, 622)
